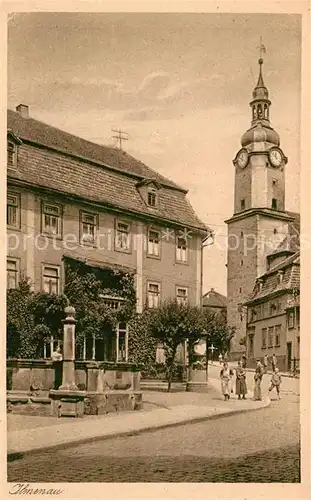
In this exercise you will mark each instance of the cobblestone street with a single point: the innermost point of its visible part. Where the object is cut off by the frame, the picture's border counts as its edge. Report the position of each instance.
(260, 446)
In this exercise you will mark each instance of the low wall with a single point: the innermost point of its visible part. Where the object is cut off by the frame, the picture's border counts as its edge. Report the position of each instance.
(30, 375)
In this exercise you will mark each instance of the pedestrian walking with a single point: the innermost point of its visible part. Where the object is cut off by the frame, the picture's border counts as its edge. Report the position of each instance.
(276, 381)
(226, 375)
(240, 382)
(265, 363)
(258, 378)
(220, 358)
(274, 362)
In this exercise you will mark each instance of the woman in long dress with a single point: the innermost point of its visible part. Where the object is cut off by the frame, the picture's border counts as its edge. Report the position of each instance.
(258, 378)
(240, 383)
(226, 378)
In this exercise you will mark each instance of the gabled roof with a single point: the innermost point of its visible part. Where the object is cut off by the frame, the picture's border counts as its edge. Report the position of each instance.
(214, 299)
(271, 283)
(105, 176)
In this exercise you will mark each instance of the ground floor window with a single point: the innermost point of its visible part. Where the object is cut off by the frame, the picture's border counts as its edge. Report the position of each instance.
(112, 346)
(49, 346)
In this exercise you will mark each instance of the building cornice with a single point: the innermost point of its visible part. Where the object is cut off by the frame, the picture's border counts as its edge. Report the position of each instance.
(265, 212)
(269, 296)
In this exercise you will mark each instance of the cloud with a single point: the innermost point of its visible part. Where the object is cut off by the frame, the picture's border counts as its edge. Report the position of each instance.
(153, 84)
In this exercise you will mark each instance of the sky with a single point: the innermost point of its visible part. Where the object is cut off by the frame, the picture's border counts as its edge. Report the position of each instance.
(178, 84)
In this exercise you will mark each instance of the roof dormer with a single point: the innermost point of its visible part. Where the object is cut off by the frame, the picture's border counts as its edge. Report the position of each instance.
(12, 145)
(149, 191)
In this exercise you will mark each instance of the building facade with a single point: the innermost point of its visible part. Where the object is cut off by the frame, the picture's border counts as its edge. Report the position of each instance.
(260, 222)
(273, 315)
(70, 200)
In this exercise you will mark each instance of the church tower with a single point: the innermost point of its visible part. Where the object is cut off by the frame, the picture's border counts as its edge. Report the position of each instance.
(259, 222)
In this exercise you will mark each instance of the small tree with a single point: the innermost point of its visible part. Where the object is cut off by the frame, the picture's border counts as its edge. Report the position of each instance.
(171, 324)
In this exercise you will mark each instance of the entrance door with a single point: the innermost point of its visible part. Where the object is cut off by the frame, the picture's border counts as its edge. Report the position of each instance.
(289, 356)
(250, 346)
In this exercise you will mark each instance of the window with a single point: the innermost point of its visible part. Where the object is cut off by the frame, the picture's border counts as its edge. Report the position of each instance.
(11, 273)
(253, 315)
(88, 227)
(272, 309)
(243, 204)
(275, 231)
(51, 219)
(11, 154)
(270, 336)
(240, 289)
(265, 313)
(153, 295)
(51, 279)
(50, 345)
(154, 243)
(122, 342)
(123, 236)
(264, 338)
(274, 204)
(181, 250)
(112, 302)
(277, 333)
(152, 197)
(13, 210)
(291, 319)
(182, 295)
(241, 262)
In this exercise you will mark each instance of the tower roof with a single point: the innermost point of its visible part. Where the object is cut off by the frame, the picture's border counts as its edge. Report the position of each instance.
(260, 91)
(261, 130)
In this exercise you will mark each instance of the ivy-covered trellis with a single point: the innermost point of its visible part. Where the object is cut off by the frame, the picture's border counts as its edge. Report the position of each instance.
(85, 288)
(32, 318)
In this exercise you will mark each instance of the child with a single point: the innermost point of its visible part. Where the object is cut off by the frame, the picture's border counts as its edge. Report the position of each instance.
(276, 382)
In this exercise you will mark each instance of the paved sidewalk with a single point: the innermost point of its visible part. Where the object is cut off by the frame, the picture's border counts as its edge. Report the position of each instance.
(30, 434)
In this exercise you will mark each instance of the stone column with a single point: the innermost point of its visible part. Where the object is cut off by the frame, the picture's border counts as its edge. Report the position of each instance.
(67, 400)
(197, 380)
(68, 382)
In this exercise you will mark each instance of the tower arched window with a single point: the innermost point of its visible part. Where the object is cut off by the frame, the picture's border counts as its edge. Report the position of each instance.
(266, 111)
(259, 111)
(254, 113)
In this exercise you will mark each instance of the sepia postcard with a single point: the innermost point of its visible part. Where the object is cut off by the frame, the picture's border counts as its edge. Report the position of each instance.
(156, 176)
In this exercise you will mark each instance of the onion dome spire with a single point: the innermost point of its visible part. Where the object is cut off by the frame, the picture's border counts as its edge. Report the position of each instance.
(260, 104)
(261, 129)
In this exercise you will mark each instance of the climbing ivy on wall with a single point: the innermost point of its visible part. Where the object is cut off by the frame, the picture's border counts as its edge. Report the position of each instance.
(33, 317)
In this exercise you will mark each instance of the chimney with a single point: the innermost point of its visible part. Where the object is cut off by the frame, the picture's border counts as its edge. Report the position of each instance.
(212, 290)
(23, 110)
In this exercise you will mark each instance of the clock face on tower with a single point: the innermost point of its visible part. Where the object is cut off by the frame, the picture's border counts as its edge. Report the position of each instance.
(275, 157)
(242, 158)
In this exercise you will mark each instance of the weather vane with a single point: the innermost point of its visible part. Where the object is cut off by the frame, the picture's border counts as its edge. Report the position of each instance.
(262, 49)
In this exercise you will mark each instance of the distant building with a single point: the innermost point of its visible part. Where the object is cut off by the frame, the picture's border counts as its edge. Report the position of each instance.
(214, 302)
(71, 202)
(273, 315)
